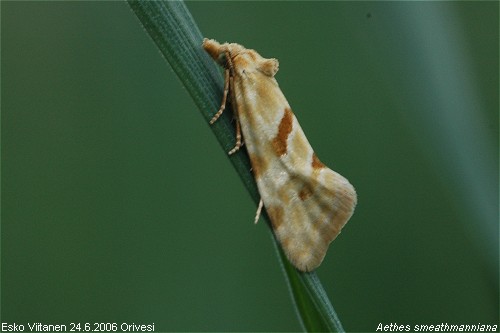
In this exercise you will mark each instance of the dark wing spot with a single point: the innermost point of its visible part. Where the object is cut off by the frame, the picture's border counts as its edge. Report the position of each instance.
(316, 163)
(284, 129)
(276, 214)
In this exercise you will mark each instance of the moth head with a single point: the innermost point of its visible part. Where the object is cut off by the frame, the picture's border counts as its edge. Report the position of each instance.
(219, 51)
(241, 57)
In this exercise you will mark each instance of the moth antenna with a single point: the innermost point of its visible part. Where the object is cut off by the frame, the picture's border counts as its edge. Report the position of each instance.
(229, 63)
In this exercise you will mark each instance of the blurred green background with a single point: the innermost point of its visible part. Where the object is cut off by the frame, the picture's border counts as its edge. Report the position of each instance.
(118, 204)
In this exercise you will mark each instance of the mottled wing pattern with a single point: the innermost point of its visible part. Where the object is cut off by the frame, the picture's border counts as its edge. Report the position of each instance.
(308, 203)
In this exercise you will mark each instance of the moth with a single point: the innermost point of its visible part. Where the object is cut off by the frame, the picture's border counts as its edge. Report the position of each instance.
(308, 203)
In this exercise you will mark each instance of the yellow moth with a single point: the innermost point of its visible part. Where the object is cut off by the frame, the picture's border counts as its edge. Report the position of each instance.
(308, 203)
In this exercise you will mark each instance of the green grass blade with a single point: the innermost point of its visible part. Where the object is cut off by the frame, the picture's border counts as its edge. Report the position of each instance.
(313, 307)
(178, 38)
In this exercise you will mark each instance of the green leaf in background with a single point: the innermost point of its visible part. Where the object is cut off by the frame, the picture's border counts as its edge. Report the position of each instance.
(174, 31)
(118, 204)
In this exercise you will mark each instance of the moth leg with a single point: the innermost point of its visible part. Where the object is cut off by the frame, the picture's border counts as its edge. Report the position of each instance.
(238, 144)
(224, 98)
(259, 210)
(230, 81)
